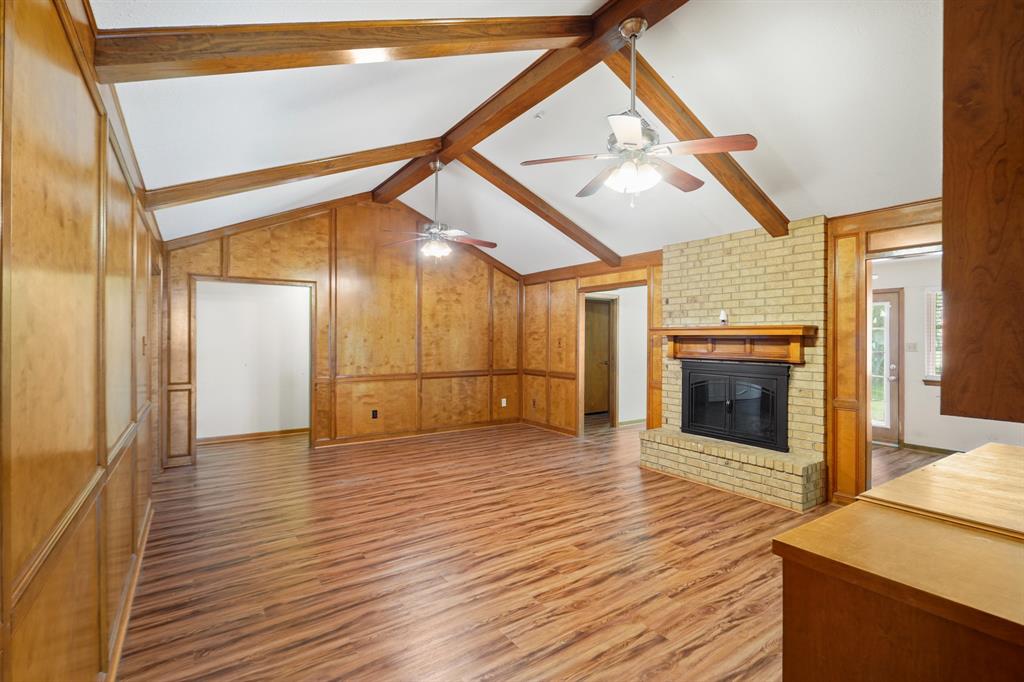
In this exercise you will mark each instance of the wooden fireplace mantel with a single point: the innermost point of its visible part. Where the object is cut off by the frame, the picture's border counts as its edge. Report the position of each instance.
(756, 342)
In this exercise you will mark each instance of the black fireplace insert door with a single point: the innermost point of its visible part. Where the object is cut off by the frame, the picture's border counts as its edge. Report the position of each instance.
(744, 402)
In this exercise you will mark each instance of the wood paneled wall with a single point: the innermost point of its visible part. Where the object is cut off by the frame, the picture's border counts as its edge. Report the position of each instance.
(552, 336)
(76, 389)
(983, 209)
(428, 344)
(852, 240)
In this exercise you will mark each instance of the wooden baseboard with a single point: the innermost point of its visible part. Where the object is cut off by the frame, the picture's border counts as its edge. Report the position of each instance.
(258, 435)
(126, 611)
(928, 448)
(361, 440)
(548, 427)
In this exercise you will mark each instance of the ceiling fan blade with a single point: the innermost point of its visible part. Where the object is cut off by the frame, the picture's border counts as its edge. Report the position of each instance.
(474, 242)
(679, 179)
(710, 145)
(628, 129)
(559, 159)
(595, 184)
(403, 241)
(451, 232)
(407, 234)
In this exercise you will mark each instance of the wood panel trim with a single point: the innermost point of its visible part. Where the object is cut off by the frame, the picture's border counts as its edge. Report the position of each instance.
(888, 217)
(264, 221)
(135, 572)
(256, 435)
(372, 438)
(542, 209)
(225, 185)
(154, 53)
(547, 75)
(684, 124)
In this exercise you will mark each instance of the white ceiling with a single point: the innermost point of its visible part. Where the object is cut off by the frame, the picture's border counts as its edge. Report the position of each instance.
(139, 13)
(843, 96)
(186, 129)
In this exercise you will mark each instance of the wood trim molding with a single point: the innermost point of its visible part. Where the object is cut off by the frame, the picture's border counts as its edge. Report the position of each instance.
(684, 124)
(634, 261)
(265, 221)
(242, 437)
(759, 343)
(200, 190)
(173, 52)
(542, 209)
(890, 217)
(544, 77)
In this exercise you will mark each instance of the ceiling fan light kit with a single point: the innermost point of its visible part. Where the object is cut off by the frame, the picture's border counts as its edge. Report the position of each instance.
(636, 148)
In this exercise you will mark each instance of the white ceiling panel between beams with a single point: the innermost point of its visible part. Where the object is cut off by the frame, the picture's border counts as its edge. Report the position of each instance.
(196, 128)
(844, 97)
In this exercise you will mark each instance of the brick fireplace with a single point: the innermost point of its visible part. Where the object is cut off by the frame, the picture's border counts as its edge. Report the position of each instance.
(763, 283)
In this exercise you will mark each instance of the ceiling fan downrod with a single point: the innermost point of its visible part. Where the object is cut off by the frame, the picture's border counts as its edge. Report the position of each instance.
(631, 29)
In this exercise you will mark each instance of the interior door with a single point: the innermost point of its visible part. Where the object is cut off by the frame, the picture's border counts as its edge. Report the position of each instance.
(885, 366)
(596, 381)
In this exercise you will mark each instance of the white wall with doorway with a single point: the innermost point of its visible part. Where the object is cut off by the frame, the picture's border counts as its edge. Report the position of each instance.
(252, 358)
(631, 355)
(923, 425)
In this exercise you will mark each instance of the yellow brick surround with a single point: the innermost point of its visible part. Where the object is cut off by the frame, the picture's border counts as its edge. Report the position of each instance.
(757, 279)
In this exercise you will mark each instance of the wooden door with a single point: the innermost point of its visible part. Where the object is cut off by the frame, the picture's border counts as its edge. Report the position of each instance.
(885, 365)
(597, 377)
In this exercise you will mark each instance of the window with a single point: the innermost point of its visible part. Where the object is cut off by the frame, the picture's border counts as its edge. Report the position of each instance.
(933, 338)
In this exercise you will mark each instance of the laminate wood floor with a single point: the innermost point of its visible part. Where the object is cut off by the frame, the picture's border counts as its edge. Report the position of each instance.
(888, 462)
(505, 553)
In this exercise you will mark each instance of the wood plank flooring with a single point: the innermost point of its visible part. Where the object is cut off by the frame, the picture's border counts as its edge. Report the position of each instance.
(506, 553)
(888, 462)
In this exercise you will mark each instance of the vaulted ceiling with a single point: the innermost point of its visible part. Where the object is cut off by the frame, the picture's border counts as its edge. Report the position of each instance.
(844, 98)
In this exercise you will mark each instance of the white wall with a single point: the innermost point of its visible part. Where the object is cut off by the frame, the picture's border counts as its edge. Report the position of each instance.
(923, 425)
(631, 354)
(252, 358)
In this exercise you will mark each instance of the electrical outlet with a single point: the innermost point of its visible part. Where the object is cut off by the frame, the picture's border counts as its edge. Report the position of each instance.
(504, 402)
(373, 414)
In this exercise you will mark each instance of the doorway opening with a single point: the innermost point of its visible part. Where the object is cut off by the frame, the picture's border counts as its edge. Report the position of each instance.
(614, 387)
(905, 370)
(253, 359)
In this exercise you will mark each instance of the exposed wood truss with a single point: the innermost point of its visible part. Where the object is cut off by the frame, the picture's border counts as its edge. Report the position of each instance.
(199, 190)
(545, 76)
(510, 186)
(153, 53)
(684, 124)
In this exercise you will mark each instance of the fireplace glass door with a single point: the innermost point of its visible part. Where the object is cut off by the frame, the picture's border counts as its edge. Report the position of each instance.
(738, 401)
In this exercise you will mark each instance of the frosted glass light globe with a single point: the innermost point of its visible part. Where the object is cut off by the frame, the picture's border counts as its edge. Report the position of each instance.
(631, 177)
(436, 248)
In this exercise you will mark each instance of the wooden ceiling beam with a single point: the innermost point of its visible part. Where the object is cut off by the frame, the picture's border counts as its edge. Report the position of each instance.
(653, 91)
(544, 77)
(153, 53)
(199, 190)
(510, 186)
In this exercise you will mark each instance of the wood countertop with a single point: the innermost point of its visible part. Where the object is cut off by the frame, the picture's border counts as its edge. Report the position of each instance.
(966, 575)
(983, 488)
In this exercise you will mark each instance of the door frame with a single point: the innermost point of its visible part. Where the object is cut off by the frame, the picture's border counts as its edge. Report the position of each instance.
(898, 352)
(192, 280)
(613, 357)
(851, 242)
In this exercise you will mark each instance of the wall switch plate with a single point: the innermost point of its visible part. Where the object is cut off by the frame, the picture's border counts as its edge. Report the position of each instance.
(504, 402)
(373, 414)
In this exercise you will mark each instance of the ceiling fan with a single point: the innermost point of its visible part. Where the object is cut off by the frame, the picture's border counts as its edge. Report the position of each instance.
(436, 235)
(638, 153)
